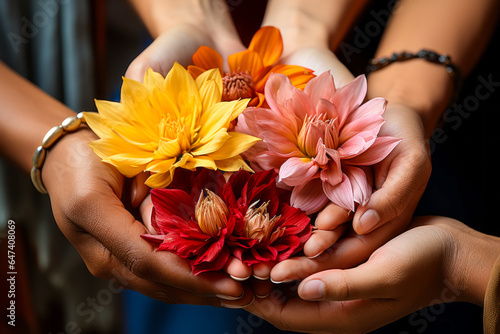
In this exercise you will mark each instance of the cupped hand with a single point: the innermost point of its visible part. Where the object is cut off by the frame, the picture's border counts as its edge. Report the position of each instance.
(86, 201)
(436, 261)
(399, 181)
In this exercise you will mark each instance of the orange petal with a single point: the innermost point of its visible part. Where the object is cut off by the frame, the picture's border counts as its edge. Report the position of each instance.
(207, 58)
(246, 61)
(195, 71)
(267, 42)
(298, 75)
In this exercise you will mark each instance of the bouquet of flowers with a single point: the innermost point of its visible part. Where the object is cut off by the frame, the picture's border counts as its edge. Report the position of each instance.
(239, 161)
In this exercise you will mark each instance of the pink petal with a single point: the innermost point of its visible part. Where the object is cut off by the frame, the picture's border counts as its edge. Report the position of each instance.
(326, 107)
(333, 172)
(380, 149)
(356, 145)
(309, 197)
(321, 158)
(362, 190)
(295, 171)
(349, 98)
(321, 87)
(370, 123)
(375, 106)
(280, 144)
(341, 194)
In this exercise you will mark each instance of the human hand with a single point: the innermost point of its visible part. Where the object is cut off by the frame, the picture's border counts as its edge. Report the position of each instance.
(86, 201)
(438, 260)
(399, 181)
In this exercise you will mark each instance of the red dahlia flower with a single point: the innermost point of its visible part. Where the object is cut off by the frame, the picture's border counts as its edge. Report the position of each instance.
(203, 219)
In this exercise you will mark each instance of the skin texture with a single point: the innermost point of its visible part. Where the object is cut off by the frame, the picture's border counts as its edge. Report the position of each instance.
(436, 260)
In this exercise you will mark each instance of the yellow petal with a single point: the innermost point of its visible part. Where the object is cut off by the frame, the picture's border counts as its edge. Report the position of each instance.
(200, 162)
(210, 86)
(215, 118)
(98, 125)
(160, 166)
(233, 164)
(159, 180)
(153, 79)
(236, 144)
(179, 85)
(169, 149)
(214, 144)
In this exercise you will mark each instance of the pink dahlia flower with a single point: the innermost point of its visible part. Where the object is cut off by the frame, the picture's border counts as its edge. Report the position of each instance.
(202, 218)
(319, 140)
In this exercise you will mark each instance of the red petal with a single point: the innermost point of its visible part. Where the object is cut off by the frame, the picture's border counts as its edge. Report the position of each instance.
(218, 264)
(168, 202)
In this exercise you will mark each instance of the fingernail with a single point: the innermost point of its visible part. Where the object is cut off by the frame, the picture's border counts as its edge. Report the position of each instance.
(228, 297)
(261, 278)
(133, 194)
(236, 306)
(368, 220)
(239, 279)
(314, 289)
(281, 282)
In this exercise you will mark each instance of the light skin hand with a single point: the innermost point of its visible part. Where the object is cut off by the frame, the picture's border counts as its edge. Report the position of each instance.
(437, 260)
(86, 201)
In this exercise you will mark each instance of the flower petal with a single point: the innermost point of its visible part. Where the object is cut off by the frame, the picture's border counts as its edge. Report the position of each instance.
(309, 197)
(246, 61)
(236, 144)
(207, 58)
(349, 98)
(297, 171)
(380, 149)
(340, 194)
(362, 190)
(321, 87)
(268, 44)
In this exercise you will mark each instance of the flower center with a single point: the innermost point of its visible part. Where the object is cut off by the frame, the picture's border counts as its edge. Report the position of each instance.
(313, 129)
(211, 213)
(259, 226)
(237, 85)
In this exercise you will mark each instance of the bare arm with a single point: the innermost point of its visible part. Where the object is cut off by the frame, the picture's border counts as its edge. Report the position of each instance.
(458, 28)
(26, 114)
(314, 23)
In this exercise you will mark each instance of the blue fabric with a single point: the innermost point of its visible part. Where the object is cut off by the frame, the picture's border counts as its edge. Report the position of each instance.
(146, 315)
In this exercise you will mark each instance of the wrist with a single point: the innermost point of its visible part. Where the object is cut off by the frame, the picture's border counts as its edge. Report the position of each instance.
(422, 86)
(472, 260)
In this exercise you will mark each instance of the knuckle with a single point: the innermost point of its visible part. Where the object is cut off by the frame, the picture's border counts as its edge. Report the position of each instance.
(135, 264)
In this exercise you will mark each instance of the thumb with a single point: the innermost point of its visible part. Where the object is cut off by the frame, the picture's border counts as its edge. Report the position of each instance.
(365, 281)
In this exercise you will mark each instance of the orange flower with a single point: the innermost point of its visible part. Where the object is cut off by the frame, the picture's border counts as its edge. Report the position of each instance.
(250, 69)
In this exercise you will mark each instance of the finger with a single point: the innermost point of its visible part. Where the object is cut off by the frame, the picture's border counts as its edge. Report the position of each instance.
(322, 240)
(261, 271)
(357, 316)
(146, 210)
(369, 280)
(401, 178)
(139, 189)
(177, 45)
(237, 269)
(321, 60)
(346, 253)
(261, 289)
(331, 217)
(103, 216)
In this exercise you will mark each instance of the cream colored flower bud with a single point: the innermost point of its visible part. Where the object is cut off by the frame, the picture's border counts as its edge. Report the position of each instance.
(211, 213)
(258, 225)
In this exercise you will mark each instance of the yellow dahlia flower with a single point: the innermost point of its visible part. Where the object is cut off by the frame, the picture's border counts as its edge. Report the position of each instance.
(168, 123)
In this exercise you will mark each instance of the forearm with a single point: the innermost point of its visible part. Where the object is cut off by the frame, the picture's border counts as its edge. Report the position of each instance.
(26, 114)
(314, 23)
(162, 15)
(460, 29)
(470, 262)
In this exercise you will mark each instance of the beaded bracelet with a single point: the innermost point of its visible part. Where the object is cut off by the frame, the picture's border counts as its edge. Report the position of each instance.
(431, 56)
(70, 124)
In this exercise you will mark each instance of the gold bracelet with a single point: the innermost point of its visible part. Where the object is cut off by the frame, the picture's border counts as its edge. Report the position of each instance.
(70, 124)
